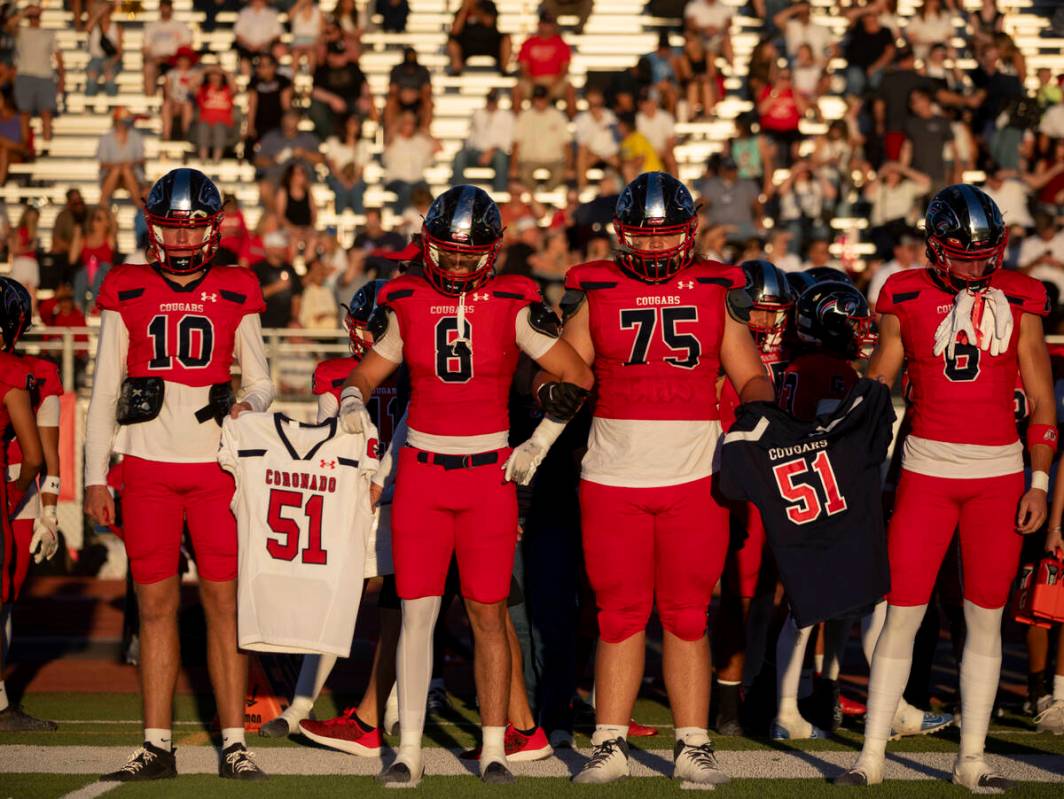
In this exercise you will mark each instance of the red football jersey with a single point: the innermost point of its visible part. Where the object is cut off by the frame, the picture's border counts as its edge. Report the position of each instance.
(657, 345)
(13, 374)
(969, 398)
(44, 382)
(775, 361)
(813, 378)
(383, 406)
(460, 385)
(183, 334)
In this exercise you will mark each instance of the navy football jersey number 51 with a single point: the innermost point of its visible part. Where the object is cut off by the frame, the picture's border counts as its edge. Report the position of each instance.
(806, 506)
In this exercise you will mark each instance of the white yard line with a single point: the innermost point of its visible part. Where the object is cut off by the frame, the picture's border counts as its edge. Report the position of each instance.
(92, 790)
(740, 765)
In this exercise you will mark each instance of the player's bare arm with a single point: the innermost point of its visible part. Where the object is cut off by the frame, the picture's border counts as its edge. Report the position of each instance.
(24, 423)
(1038, 385)
(576, 332)
(742, 363)
(889, 354)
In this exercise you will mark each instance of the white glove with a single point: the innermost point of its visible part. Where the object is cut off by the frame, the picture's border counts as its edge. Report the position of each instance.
(354, 418)
(957, 321)
(995, 328)
(45, 539)
(525, 459)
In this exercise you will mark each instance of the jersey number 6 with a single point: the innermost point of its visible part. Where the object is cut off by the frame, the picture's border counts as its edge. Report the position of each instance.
(454, 359)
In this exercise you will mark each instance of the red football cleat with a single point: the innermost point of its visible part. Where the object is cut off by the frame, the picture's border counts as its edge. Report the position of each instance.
(346, 732)
(851, 707)
(637, 730)
(519, 748)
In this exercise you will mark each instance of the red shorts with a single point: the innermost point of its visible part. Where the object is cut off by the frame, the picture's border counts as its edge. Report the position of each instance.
(742, 569)
(16, 558)
(641, 544)
(470, 512)
(157, 499)
(928, 510)
(893, 141)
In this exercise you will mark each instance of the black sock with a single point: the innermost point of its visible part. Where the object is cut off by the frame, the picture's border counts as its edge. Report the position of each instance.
(1036, 684)
(729, 697)
(527, 733)
(368, 727)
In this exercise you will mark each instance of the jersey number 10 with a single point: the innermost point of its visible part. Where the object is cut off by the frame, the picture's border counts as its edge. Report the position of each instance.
(287, 546)
(806, 506)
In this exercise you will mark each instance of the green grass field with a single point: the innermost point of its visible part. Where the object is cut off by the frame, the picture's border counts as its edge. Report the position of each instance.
(97, 730)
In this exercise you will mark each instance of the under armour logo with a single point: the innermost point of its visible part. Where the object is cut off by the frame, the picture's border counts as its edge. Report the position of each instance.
(324, 464)
(686, 284)
(480, 296)
(204, 296)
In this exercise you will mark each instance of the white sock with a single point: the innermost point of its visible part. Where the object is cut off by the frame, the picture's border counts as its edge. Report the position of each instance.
(607, 732)
(413, 667)
(790, 652)
(980, 672)
(493, 749)
(692, 736)
(891, 664)
(818, 663)
(232, 735)
(871, 627)
(4, 701)
(159, 738)
(313, 672)
(1058, 689)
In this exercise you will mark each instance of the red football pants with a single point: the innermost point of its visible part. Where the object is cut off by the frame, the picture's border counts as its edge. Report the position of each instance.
(928, 510)
(469, 512)
(157, 499)
(640, 544)
(16, 540)
(742, 568)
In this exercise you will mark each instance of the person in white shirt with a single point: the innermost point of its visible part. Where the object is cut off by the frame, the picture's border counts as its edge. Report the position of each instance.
(595, 131)
(930, 24)
(1042, 255)
(491, 136)
(713, 19)
(346, 157)
(1052, 124)
(1010, 193)
(906, 249)
(541, 139)
(798, 28)
(659, 127)
(36, 83)
(257, 28)
(405, 159)
(162, 39)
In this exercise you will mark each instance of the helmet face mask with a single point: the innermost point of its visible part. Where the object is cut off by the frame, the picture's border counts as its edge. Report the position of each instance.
(16, 308)
(764, 304)
(184, 216)
(835, 317)
(357, 315)
(460, 240)
(656, 222)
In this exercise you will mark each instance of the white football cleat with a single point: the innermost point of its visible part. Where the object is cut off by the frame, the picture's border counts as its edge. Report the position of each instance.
(608, 763)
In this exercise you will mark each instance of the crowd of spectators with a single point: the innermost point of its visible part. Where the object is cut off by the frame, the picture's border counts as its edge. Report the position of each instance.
(924, 99)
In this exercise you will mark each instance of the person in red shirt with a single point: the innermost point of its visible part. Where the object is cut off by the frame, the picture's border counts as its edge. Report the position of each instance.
(214, 99)
(544, 61)
(781, 108)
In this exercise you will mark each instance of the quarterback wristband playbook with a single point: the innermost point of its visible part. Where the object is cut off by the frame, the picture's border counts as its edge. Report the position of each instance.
(1044, 434)
(140, 401)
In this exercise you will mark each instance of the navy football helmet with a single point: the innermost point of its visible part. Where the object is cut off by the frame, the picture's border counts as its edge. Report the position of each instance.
(184, 216)
(16, 311)
(460, 240)
(965, 236)
(768, 291)
(652, 209)
(358, 313)
(835, 317)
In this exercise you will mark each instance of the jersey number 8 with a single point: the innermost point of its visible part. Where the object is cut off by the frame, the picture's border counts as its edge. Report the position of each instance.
(454, 359)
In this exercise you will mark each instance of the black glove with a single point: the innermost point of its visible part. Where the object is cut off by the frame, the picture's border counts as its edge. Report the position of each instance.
(561, 401)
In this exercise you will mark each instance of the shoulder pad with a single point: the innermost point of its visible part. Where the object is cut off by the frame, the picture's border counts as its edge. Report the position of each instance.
(379, 322)
(516, 287)
(330, 374)
(571, 302)
(543, 319)
(47, 378)
(1024, 291)
(716, 273)
(593, 275)
(117, 287)
(399, 288)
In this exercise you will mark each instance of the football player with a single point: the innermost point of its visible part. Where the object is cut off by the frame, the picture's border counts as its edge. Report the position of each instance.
(653, 323)
(964, 326)
(26, 531)
(356, 730)
(169, 332)
(764, 305)
(458, 328)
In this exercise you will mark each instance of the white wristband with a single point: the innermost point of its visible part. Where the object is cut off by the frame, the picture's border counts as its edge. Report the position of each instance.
(352, 392)
(1040, 480)
(50, 485)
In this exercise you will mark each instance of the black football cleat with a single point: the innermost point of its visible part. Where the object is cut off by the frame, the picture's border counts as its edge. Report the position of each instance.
(496, 773)
(147, 763)
(15, 719)
(237, 765)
